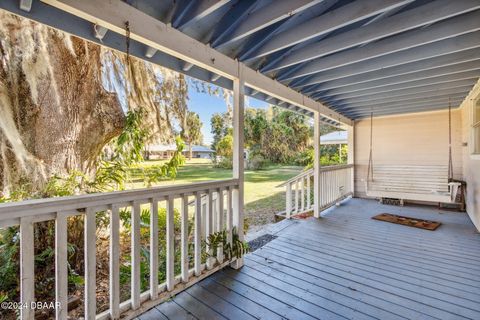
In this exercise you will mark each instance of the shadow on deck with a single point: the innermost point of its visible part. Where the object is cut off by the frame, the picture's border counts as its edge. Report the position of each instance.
(347, 265)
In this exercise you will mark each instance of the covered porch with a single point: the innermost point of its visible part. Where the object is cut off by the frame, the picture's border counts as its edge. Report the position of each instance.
(346, 266)
(407, 62)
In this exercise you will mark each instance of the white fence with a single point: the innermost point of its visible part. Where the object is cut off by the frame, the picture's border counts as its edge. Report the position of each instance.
(219, 211)
(335, 185)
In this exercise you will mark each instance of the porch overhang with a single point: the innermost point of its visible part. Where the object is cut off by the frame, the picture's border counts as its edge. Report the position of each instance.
(343, 59)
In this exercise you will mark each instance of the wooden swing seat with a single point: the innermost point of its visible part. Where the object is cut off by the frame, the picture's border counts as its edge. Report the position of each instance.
(427, 183)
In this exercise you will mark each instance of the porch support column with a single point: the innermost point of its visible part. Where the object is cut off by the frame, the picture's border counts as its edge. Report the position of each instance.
(316, 165)
(238, 160)
(351, 155)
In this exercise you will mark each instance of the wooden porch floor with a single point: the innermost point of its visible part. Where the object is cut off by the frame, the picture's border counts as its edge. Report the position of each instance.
(347, 265)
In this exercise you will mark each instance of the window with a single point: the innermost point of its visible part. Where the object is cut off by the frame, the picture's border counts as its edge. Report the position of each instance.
(476, 126)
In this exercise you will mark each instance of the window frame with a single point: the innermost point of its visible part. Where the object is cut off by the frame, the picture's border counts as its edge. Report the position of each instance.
(475, 154)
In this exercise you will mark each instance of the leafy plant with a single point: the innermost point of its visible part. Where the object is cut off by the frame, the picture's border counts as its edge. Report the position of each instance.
(217, 240)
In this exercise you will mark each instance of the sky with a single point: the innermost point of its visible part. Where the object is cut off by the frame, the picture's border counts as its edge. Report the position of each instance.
(206, 105)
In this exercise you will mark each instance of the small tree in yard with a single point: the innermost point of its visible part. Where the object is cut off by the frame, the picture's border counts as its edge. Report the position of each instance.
(192, 133)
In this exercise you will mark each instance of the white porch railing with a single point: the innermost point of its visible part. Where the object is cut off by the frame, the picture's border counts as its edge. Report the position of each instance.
(335, 185)
(218, 215)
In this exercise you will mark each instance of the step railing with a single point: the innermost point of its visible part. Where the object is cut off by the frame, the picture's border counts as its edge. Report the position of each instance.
(215, 213)
(335, 185)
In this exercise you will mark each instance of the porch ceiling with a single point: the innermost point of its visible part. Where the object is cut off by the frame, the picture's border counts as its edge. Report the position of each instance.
(385, 56)
(355, 57)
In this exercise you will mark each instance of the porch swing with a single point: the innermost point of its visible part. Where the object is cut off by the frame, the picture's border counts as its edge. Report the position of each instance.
(429, 183)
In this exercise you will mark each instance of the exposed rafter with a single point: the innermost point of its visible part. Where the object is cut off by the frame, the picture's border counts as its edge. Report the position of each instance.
(436, 49)
(256, 43)
(466, 75)
(410, 102)
(152, 32)
(414, 98)
(409, 20)
(266, 16)
(442, 30)
(197, 10)
(328, 22)
(424, 69)
(426, 91)
(406, 109)
(26, 5)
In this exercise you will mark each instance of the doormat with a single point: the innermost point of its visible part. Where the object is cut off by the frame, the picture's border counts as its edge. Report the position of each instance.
(407, 221)
(260, 242)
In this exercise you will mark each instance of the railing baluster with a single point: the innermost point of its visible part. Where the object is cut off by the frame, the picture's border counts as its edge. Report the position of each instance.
(302, 186)
(114, 262)
(219, 221)
(61, 267)
(198, 234)
(288, 200)
(135, 249)
(309, 202)
(154, 248)
(90, 264)
(170, 244)
(27, 267)
(229, 214)
(296, 196)
(184, 244)
(209, 214)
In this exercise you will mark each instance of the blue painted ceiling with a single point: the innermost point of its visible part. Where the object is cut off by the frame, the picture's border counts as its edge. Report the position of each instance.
(356, 57)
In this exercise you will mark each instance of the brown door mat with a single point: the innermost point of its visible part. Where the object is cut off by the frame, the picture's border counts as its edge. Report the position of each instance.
(407, 221)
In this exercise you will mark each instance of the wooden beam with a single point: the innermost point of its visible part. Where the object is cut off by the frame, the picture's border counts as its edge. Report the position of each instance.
(390, 79)
(99, 31)
(458, 86)
(198, 11)
(347, 94)
(400, 102)
(417, 54)
(387, 107)
(256, 43)
(451, 28)
(152, 32)
(427, 14)
(266, 16)
(26, 5)
(345, 15)
(403, 111)
(150, 52)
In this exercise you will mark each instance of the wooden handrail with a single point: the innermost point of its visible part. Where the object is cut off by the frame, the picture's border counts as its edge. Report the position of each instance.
(213, 216)
(335, 184)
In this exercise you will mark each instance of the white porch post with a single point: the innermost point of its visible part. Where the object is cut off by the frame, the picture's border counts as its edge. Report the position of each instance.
(238, 161)
(351, 154)
(316, 165)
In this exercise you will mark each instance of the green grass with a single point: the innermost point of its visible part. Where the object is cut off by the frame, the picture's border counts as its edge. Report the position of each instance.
(262, 197)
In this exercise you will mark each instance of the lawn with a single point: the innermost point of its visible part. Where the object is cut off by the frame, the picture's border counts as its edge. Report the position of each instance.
(262, 198)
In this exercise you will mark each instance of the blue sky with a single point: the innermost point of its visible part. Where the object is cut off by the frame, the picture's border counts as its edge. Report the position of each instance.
(206, 105)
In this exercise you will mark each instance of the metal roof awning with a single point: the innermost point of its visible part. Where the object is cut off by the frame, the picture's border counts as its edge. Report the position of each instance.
(342, 58)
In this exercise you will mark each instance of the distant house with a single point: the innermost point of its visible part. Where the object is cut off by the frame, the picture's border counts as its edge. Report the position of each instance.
(335, 137)
(162, 151)
(199, 152)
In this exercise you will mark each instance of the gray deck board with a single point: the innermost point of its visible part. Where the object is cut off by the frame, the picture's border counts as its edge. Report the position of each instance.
(347, 266)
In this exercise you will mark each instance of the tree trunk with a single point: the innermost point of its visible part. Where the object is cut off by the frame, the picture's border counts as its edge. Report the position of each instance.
(56, 114)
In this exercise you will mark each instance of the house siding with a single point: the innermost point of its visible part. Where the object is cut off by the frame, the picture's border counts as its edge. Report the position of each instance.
(471, 165)
(411, 139)
(422, 139)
